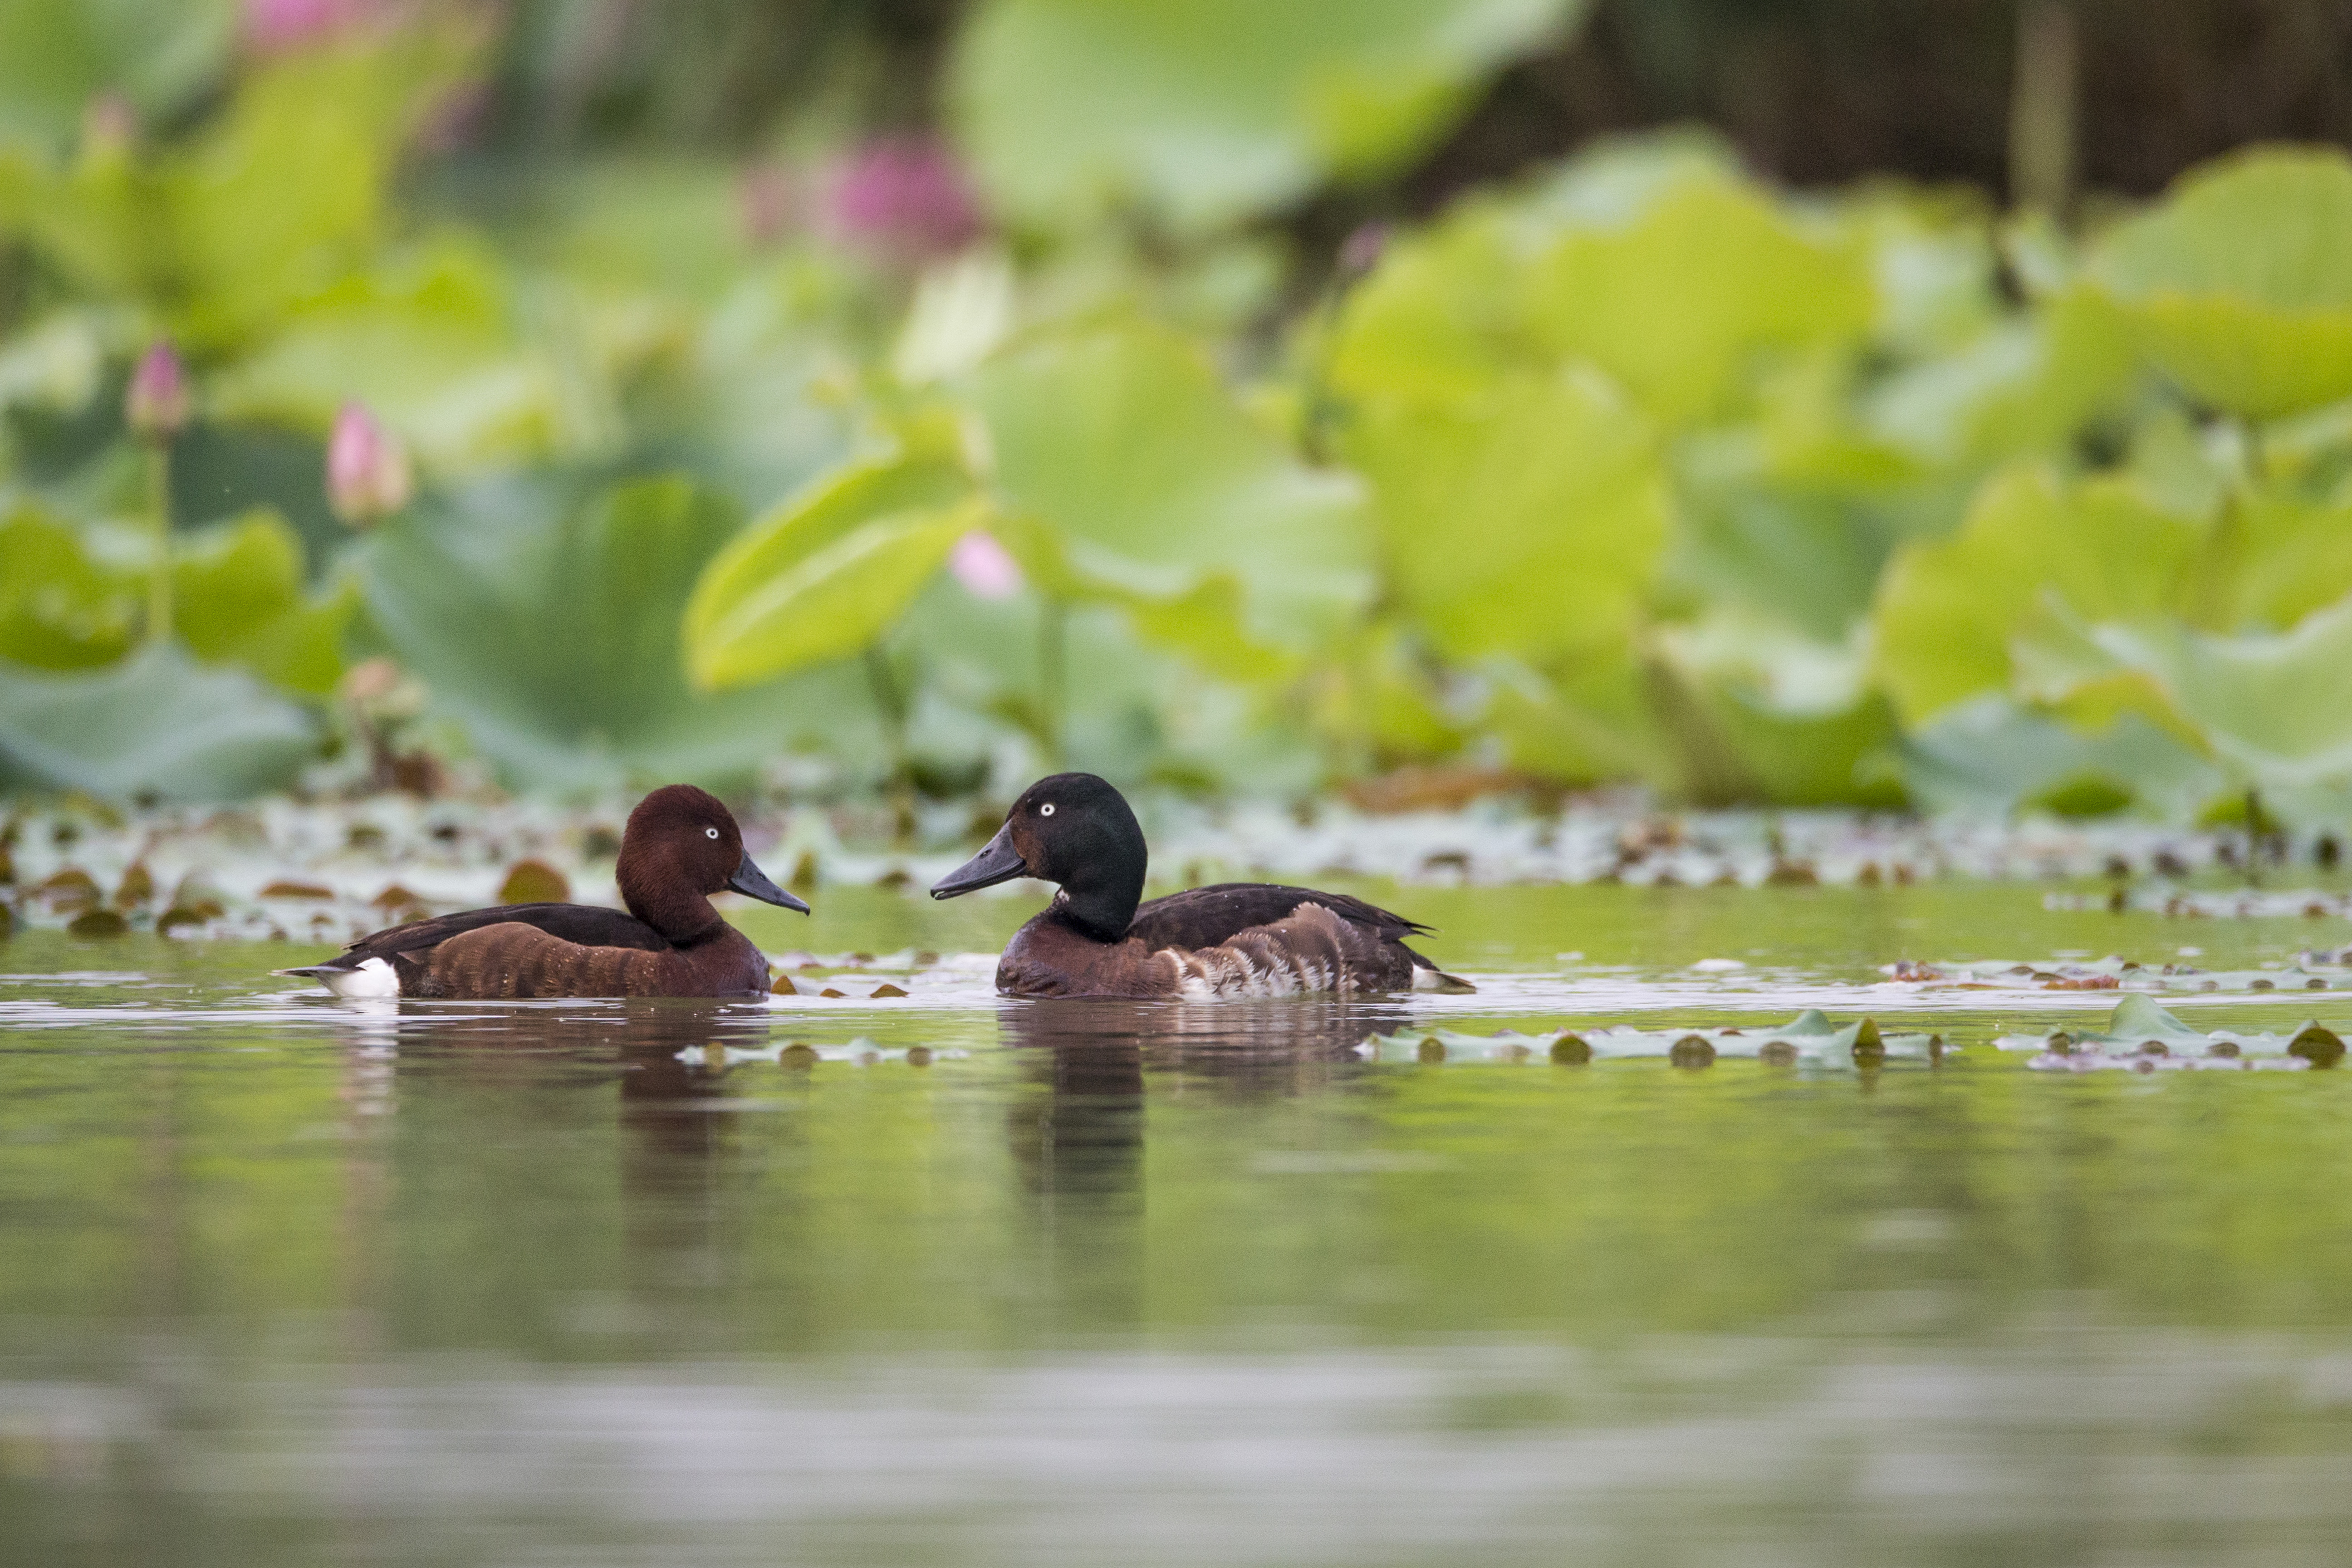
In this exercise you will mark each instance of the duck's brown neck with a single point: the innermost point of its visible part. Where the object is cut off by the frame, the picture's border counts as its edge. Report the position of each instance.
(669, 906)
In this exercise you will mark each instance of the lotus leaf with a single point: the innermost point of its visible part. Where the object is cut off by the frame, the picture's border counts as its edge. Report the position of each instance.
(157, 724)
(1206, 111)
(2239, 285)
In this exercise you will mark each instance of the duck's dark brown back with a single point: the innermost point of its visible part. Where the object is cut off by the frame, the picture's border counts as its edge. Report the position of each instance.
(1204, 917)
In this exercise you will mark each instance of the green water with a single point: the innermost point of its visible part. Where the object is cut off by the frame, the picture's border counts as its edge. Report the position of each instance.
(287, 1282)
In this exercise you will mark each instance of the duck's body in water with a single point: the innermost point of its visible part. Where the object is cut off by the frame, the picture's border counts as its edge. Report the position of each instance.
(1097, 938)
(680, 847)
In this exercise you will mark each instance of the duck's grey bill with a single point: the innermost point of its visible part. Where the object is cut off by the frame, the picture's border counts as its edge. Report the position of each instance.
(1000, 862)
(752, 883)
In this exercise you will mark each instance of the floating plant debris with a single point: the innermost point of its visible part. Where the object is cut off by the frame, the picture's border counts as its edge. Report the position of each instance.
(859, 1051)
(2114, 974)
(2143, 1036)
(2236, 903)
(1810, 1039)
(380, 859)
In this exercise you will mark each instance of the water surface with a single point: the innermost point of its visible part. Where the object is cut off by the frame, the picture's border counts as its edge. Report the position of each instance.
(945, 1279)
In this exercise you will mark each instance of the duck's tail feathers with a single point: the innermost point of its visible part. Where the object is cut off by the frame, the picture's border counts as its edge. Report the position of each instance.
(369, 977)
(1427, 976)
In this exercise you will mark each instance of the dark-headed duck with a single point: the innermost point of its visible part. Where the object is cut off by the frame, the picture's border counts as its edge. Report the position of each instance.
(1236, 938)
(680, 847)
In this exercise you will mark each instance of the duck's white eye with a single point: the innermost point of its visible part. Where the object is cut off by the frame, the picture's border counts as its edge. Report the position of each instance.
(710, 833)
(1047, 809)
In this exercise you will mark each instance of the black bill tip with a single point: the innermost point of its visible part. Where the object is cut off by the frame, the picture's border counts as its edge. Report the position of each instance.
(1000, 862)
(752, 883)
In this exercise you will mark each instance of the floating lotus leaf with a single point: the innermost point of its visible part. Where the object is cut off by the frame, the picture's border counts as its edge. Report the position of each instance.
(1810, 1039)
(2141, 1034)
(2117, 974)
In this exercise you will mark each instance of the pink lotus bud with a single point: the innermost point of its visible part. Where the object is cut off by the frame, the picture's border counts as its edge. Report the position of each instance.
(1361, 250)
(367, 475)
(906, 198)
(155, 405)
(984, 567)
(767, 202)
(109, 126)
(275, 27)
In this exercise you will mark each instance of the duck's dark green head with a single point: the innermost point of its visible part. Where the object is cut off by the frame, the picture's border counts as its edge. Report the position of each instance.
(1073, 829)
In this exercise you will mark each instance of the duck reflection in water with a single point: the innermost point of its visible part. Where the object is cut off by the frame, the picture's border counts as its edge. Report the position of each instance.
(1081, 1128)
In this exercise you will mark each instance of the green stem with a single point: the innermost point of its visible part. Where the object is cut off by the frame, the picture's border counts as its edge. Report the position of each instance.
(2043, 108)
(1053, 674)
(159, 521)
(890, 703)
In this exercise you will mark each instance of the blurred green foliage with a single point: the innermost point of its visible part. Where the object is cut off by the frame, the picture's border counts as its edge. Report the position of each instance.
(1631, 468)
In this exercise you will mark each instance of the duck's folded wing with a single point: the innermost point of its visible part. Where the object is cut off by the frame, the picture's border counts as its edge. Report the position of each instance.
(1208, 917)
(1311, 950)
(587, 925)
(512, 960)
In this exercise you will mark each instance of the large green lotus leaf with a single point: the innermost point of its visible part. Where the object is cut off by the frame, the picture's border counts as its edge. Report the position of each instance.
(737, 589)
(1808, 557)
(2021, 386)
(59, 608)
(832, 604)
(2239, 285)
(1525, 522)
(1122, 441)
(1806, 758)
(1595, 722)
(1676, 301)
(1948, 608)
(2277, 707)
(1206, 111)
(427, 343)
(237, 598)
(545, 624)
(56, 56)
(157, 724)
(1989, 756)
(288, 189)
(1439, 317)
(2273, 560)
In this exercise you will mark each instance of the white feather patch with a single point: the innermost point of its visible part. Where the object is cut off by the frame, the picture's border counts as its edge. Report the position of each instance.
(373, 977)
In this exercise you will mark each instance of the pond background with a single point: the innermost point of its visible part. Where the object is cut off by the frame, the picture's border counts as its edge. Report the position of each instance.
(286, 1281)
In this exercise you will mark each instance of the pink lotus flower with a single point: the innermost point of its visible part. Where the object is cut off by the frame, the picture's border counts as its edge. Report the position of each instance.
(983, 566)
(908, 198)
(155, 404)
(368, 477)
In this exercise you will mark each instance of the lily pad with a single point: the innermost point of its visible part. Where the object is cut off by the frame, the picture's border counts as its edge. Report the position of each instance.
(1810, 1039)
(2139, 1031)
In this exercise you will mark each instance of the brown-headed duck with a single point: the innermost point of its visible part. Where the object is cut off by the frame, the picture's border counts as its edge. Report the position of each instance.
(680, 847)
(1236, 938)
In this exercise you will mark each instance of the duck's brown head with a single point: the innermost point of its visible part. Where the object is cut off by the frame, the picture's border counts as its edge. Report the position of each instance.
(1071, 828)
(680, 847)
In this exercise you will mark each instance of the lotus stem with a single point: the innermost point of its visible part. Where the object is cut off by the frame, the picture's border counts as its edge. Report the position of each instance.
(159, 521)
(1053, 674)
